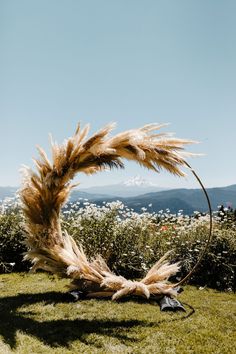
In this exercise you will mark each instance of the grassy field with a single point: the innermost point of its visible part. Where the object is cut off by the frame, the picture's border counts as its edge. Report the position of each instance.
(34, 318)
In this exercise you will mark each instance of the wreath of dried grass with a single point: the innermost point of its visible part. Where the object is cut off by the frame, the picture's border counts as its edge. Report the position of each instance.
(44, 192)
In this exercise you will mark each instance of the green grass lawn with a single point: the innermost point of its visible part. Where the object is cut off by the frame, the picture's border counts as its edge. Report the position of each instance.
(34, 318)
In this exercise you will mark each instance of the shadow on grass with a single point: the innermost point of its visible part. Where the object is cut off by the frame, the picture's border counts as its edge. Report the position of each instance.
(61, 332)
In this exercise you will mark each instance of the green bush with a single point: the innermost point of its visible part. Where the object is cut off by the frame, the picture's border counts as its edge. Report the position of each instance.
(217, 269)
(120, 236)
(12, 242)
(131, 243)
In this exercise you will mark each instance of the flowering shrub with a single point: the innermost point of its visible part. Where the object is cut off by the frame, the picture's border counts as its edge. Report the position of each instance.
(120, 235)
(11, 237)
(131, 242)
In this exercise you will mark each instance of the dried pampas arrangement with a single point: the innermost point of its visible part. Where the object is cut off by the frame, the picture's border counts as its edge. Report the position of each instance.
(44, 192)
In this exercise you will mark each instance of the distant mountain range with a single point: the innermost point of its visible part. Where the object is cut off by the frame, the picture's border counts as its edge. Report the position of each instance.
(7, 192)
(130, 188)
(188, 200)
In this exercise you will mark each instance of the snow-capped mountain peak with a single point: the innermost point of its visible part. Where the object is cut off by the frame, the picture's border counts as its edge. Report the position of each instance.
(138, 181)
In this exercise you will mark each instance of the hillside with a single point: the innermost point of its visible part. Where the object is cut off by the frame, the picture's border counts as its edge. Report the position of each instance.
(188, 200)
(7, 192)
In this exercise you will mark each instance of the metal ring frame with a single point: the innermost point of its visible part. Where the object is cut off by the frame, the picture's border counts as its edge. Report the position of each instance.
(210, 234)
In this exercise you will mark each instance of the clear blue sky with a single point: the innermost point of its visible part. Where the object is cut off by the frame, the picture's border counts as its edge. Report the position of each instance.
(129, 61)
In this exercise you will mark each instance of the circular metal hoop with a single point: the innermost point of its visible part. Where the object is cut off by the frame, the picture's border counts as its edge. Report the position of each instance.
(210, 234)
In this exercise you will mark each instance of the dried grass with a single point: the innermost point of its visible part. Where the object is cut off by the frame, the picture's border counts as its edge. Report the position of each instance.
(44, 193)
